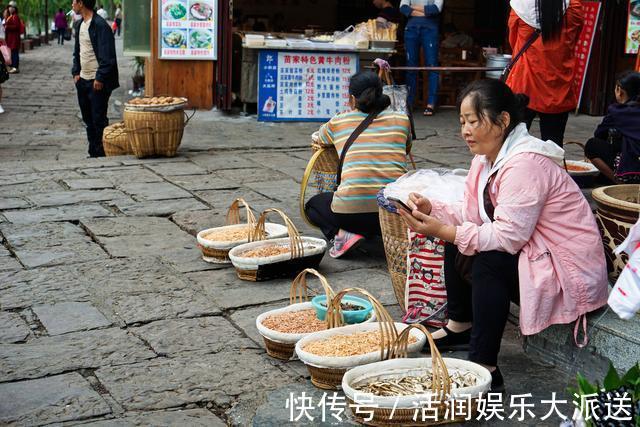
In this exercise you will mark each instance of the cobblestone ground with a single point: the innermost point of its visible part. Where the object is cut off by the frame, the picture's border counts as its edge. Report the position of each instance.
(109, 317)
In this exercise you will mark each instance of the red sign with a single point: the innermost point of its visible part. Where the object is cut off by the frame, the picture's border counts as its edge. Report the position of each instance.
(591, 10)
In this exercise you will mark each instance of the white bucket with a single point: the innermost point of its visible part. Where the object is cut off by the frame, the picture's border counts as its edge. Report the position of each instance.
(497, 60)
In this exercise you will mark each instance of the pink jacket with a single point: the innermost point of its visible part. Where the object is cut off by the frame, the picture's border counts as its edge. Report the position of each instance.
(541, 213)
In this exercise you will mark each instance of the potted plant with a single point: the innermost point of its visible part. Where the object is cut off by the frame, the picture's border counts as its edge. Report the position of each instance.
(595, 401)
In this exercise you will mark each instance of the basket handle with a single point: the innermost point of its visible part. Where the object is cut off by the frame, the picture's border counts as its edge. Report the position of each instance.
(233, 214)
(305, 182)
(295, 242)
(299, 287)
(441, 384)
(188, 117)
(564, 160)
(388, 332)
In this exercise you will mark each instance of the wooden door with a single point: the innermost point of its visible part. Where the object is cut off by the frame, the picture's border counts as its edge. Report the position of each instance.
(223, 97)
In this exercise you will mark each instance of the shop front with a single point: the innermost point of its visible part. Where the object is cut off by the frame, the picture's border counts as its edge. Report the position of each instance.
(216, 52)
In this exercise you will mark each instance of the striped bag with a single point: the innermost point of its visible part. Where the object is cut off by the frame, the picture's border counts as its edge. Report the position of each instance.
(425, 294)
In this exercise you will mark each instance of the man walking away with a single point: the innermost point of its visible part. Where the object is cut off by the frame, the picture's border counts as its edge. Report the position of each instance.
(118, 18)
(60, 21)
(95, 71)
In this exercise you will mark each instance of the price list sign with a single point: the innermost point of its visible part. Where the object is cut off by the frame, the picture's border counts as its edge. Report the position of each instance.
(188, 29)
(591, 10)
(303, 86)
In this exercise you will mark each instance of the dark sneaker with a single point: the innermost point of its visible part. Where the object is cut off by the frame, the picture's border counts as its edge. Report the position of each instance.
(453, 341)
(497, 381)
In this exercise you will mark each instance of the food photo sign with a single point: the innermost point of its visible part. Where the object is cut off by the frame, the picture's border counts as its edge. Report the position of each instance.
(188, 29)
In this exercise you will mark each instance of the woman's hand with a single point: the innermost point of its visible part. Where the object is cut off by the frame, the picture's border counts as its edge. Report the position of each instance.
(417, 201)
(417, 11)
(422, 223)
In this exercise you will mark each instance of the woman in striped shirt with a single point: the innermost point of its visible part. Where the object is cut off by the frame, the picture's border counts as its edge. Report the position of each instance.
(376, 157)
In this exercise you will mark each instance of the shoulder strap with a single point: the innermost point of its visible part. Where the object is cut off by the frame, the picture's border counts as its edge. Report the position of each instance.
(355, 134)
(527, 45)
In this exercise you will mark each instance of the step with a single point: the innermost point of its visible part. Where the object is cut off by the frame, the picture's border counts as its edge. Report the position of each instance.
(610, 339)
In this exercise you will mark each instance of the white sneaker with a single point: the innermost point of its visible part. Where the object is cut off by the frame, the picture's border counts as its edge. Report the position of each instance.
(1, 109)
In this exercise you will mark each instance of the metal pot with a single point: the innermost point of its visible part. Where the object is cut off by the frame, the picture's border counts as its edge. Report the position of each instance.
(497, 60)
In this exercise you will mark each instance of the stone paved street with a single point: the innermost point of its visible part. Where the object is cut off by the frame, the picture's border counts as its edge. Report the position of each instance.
(109, 316)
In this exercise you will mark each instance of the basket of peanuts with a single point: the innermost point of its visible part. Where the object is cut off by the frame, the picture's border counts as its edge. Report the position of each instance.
(155, 125)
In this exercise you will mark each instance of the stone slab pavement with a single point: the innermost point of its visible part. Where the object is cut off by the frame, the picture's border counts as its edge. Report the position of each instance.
(108, 315)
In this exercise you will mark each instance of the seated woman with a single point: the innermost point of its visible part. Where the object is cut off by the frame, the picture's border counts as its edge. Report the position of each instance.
(524, 232)
(375, 158)
(615, 146)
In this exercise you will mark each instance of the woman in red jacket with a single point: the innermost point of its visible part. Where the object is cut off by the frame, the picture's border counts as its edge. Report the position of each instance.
(13, 28)
(546, 71)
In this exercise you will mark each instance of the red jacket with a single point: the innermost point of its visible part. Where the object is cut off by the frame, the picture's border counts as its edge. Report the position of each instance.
(13, 28)
(546, 71)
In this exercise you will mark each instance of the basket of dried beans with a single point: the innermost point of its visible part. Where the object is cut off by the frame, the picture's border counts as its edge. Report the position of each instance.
(215, 243)
(415, 392)
(329, 354)
(282, 328)
(267, 259)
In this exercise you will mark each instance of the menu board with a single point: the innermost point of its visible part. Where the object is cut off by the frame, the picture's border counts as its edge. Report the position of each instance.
(591, 10)
(303, 86)
(633, 28)
(188, 29)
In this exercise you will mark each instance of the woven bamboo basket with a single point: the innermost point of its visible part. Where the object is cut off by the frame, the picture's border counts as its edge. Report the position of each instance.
(304, 252)
(218, 251)
(402, 410)
(298, 296)
(320, 174)
(154, 133)
(115, 140)
(395, 238)
(330, 377)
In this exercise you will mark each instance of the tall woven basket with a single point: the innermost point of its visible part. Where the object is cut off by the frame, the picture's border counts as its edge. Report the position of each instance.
(396, 244)
(115, 140)
(155, 133)
(320, 174)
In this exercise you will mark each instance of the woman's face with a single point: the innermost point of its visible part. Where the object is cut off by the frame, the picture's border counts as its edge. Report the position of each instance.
(481, 135)
(621, 94)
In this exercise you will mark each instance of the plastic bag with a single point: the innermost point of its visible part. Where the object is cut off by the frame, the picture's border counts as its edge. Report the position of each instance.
(624, 299)
(439, 184)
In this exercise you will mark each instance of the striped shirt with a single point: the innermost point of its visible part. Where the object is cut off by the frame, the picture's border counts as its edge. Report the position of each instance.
(376, 158)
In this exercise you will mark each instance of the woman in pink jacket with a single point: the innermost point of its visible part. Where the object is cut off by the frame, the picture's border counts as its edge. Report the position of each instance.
(524, 232)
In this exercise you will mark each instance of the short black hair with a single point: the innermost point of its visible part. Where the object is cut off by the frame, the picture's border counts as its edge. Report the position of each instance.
(629, 81)
(89, 4)
(490, 98)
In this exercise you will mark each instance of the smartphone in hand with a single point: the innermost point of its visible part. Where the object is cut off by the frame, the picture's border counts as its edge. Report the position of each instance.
(400, 204)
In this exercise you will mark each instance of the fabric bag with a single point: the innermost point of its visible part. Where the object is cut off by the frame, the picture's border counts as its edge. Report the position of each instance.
(4, 73)
(6, 54)
(426, 294)
(624, 299)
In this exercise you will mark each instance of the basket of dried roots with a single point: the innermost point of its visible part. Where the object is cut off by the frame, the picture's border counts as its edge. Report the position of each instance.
(215, 243)
(329, 354)
(284, 257)
(282, 328)
(415, 392)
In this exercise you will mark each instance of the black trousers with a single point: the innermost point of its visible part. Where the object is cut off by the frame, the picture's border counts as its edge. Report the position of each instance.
(485, 303)
(552, 126)
(318, 209)
(93, 106)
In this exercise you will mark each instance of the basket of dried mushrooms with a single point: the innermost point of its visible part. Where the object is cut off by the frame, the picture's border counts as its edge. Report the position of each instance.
(329, 354)
(215, 243)
(285, 257)
(419, 391)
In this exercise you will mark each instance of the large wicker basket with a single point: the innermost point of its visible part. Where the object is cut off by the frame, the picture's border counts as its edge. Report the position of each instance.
(115, 140)
(154, 133)
(298, 300)
(319, 174)
(406, 410)
(395, 238)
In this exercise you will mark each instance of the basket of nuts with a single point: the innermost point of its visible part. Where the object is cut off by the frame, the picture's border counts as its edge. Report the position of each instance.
(155, 125)
(215, 243)
(267, 259)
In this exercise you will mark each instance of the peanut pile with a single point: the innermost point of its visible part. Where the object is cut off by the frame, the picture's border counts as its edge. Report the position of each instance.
(156, 100)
